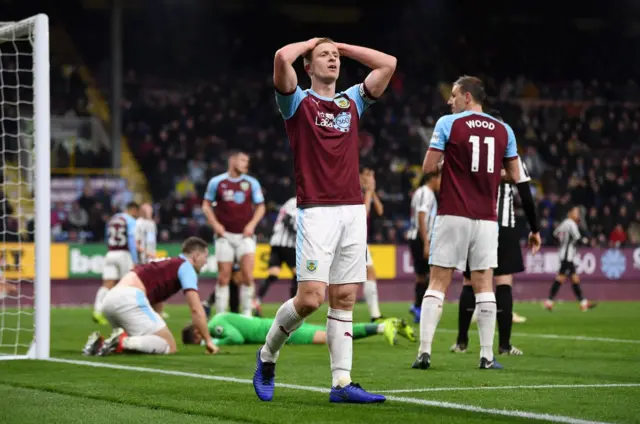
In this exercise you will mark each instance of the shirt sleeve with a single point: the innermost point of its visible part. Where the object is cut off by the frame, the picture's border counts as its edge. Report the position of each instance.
(212, 188)
(224, 333)
(575, 232)
(359, 94)
(288, 103)
(256, 192)
(441, 133)
(512, 147)
(187, 276)
(559, 229)
(421, 204)
(131, 234)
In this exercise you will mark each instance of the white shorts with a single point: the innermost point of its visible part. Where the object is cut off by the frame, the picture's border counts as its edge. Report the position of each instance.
(129, 308)
(116, 264)
(455, 239)
(231, 247)
(331, 244)
(369, 258)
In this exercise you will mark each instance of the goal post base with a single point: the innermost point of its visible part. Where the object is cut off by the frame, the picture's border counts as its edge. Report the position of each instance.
(10, 357)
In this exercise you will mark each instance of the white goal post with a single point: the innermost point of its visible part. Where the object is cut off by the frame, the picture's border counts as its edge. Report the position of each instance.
(25, 145)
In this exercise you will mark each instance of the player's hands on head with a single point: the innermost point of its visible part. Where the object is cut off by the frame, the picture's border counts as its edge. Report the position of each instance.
(312, 42)
(534, 242)
(211, 348)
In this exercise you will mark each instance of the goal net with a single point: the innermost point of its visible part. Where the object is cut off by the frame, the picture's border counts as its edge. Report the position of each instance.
(24, 189)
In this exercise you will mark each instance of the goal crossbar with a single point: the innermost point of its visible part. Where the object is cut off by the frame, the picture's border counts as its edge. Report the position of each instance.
(9, 30)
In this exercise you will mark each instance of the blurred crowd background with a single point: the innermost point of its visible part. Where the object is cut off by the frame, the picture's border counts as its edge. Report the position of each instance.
(197, 83)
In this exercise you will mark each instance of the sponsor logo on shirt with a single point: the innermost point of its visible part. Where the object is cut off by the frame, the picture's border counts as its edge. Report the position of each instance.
(340, 122)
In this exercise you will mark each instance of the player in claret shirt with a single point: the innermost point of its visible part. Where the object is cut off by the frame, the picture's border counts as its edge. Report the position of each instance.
(127, 307)
(331, 235)
(470, 147)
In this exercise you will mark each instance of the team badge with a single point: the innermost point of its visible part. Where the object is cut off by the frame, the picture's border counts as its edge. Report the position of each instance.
(312, 265)
(244, 185)
(342, 102)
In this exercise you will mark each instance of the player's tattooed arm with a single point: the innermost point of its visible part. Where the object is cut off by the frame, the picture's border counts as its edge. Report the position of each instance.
(285, 78)
(383, 66)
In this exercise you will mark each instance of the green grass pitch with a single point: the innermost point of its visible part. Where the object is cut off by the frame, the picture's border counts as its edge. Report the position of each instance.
(577, 368)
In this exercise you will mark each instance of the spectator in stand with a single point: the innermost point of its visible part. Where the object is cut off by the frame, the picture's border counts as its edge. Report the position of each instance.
(78, 218)
(618, 237)
(185, 187)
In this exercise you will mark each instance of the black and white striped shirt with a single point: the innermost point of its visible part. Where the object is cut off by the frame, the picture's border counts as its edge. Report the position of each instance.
(423, 200)
(504, 205)
(569, 234)
(284, 234)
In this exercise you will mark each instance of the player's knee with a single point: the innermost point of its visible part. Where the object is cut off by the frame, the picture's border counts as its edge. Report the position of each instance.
(575, 279)
(560, 278)
(307, 303)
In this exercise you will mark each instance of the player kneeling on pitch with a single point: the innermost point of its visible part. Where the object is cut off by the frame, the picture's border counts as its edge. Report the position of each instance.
(236, 329)
(127, 307)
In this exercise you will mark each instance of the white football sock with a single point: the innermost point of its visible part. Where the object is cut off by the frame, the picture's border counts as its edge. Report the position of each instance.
(222, 298)
(371, 297)
(487, 311)
(380, 328)
(146, 344)
(97, 304)
(286, 322)
(340, 342)
(429, 318)
(246, 299)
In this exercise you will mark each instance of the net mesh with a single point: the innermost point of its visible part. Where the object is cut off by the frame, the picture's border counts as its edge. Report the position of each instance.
(17, 258)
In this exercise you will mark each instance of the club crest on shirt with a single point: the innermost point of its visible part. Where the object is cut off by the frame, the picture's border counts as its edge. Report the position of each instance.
(342, 102)
(244, 185)
(312, 265)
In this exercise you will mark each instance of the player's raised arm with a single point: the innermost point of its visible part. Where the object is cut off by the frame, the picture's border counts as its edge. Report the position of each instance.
(383, 66)
(284, 75)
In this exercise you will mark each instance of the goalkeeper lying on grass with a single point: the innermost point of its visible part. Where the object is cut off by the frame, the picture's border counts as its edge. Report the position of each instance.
(235, 329)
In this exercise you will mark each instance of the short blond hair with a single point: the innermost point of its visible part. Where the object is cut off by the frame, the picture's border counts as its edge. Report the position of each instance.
(307, 56)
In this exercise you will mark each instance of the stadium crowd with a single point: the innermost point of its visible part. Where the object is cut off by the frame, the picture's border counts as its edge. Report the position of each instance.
(577, 152)
(579, 139)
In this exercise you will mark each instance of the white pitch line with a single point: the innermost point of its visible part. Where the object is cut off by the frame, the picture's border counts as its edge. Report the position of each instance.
(560, 336)
(541, 386)
(424, 402)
